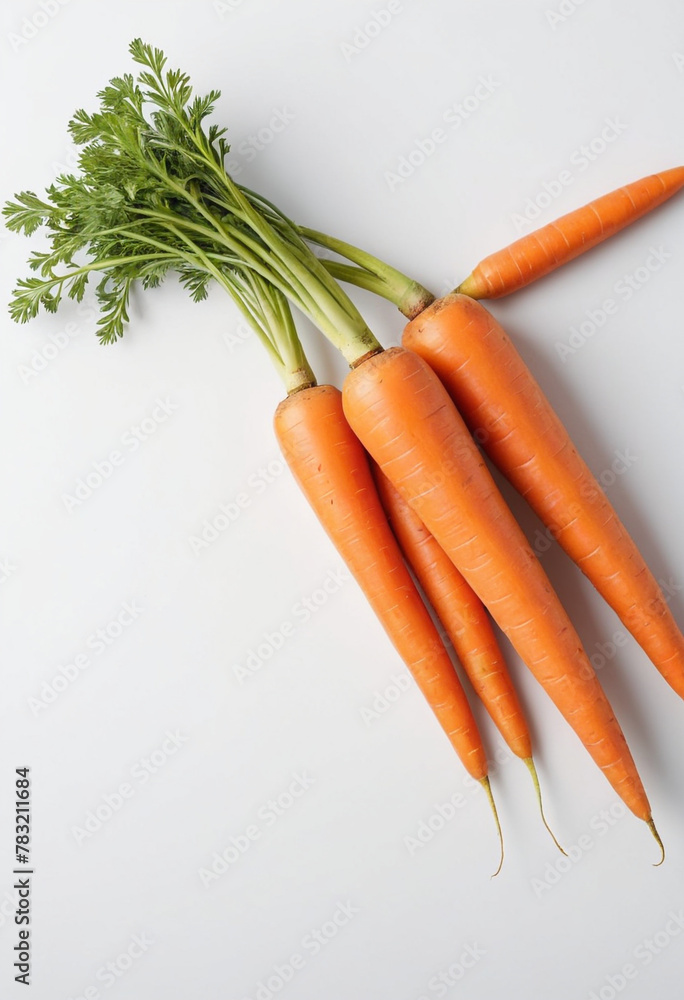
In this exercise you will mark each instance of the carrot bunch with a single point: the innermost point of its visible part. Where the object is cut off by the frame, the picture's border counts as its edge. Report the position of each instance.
(389, 463)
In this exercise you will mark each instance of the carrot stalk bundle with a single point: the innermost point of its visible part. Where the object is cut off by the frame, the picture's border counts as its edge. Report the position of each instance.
(545, 249)
(466, 623)
(406, 420)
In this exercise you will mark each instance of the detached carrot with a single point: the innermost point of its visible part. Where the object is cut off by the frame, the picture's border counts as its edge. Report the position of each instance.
(502, 403)
(467, 624)
(542, 251)
(333, 472)
(406, 420)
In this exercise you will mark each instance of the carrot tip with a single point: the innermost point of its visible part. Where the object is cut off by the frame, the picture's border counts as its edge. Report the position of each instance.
(488, 789)
(535, 778)
(652, 828)
(469, 287)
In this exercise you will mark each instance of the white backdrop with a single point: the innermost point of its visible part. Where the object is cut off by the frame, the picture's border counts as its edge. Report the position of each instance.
(235, 792)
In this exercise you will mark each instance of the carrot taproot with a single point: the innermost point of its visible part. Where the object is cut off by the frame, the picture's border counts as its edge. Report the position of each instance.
(333, 471)
(406, 420)
(505, 408)
(467, 624)
(537, 253)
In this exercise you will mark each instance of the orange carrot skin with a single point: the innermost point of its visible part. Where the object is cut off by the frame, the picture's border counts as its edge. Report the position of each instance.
(509, 414)
(462, 614)
(542, 251)
(406, 420)
(333, 472)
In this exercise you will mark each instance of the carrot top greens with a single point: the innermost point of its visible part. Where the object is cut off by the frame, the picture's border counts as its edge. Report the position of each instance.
(153, 196)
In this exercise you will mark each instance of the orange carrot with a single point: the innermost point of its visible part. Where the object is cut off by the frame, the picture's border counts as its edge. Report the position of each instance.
(333, 472)
(466, 622)
(406, 420)
(542, 251)
(506, 409)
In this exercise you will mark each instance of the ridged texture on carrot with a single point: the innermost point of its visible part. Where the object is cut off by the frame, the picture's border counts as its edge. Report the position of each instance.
(463, 616)
(506, 409)
(333, 472)
(406, 420)
(545, 249)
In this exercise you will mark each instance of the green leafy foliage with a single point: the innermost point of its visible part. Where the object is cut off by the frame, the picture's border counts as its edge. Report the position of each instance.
(152, 196)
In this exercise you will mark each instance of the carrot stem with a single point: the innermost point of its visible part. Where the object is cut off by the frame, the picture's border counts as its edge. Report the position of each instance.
(488, 790)
(535, 778)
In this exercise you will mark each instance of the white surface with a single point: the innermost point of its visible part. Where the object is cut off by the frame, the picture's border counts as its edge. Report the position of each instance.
(538, 930)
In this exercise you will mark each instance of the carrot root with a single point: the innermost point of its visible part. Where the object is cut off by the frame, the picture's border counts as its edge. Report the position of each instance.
(537, 788)
(488, 790)
(652, 828)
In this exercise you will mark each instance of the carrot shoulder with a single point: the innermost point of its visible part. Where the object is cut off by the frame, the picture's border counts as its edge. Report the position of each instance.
(542, 251)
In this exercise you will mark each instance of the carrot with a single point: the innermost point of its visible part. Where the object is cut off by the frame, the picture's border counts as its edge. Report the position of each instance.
(406, 420)
(333, 472)
(466, 622)
(542, 251)
(504, 406)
